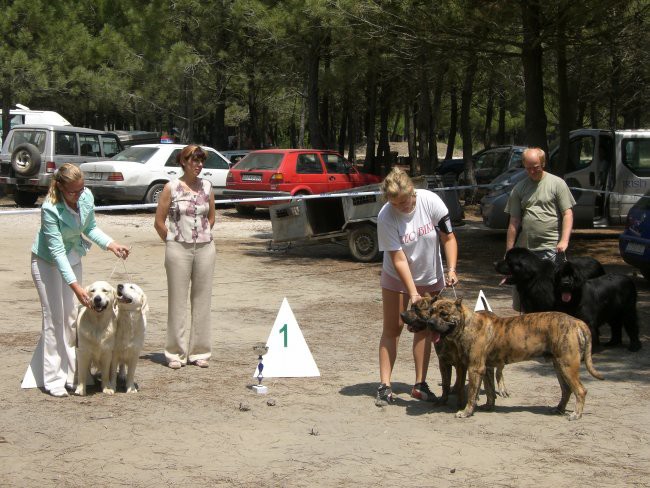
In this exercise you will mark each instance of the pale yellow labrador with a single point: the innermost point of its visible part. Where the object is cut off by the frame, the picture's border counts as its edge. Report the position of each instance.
(129, 338)
(96, 326)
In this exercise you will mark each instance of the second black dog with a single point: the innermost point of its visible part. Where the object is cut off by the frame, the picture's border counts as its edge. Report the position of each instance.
(607, 299)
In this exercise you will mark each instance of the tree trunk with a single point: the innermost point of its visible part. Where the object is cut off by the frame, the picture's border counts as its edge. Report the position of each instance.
(563, 94)
(424, 123)
(453, 122)
(188, 95)
(345, 116)
(6, 112)
(313, 62)
(371, 112)
(383, 149)
(465, 123)
(352, 136)
(253, 114)
(219, 134)
(501, 131)
(326, 127)
(489, 113)
(531, 55)
(410, 138)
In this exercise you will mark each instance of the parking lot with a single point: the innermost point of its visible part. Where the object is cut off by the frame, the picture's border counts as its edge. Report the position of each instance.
(206, 427)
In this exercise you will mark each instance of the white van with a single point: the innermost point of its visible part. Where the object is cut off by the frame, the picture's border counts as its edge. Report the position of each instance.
(23, 115)
(607, 171)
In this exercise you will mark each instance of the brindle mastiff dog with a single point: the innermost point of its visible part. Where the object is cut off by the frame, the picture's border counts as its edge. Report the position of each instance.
(486, 340)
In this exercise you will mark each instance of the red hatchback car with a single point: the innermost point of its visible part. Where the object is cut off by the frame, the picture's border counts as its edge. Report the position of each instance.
(289, 172)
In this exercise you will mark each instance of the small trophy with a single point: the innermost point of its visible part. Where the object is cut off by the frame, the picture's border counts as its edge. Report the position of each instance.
(260, 349)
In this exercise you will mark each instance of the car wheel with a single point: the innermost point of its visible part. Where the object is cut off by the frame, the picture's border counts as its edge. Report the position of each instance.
(363, 243)
(154, 193)
(25, 198)
(246, 210)
(26, 159)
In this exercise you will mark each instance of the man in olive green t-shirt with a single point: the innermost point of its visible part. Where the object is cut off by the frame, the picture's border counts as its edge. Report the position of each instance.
(542, 205)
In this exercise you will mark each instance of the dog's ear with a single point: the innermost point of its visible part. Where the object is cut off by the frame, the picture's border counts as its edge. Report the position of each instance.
(114, 302)
(459, 302)
(145, 304)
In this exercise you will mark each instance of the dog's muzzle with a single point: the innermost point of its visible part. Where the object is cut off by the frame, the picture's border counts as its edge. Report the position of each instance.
(442, 327)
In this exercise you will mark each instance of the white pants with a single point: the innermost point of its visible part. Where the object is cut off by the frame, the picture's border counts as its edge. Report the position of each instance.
(56, 367)
(190, 268)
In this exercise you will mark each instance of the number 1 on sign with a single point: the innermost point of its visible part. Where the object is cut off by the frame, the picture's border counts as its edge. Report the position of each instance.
(284, 330)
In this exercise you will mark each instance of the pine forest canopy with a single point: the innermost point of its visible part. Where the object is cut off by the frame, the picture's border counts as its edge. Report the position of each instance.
(333, 74)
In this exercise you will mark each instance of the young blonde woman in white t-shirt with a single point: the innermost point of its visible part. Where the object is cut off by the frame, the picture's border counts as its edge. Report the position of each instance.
(411, 227)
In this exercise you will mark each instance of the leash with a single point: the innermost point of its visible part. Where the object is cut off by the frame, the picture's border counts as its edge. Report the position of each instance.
(123, 261)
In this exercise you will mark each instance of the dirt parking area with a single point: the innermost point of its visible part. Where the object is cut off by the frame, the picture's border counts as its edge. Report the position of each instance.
(205, 427)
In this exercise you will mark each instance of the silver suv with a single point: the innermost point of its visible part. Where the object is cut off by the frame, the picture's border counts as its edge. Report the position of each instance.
(31, 153)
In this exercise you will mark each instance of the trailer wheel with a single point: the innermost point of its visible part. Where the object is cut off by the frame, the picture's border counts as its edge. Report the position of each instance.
(363, 243)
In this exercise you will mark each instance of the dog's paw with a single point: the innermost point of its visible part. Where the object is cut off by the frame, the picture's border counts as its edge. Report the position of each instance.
(132, 389)
(575, 416)
(80, 391)
(108, 391)
(462, 414)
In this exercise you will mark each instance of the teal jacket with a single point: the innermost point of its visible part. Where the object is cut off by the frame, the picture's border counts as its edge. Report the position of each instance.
(59, 233)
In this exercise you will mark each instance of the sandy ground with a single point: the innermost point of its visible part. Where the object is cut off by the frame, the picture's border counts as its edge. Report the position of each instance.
(205, 426)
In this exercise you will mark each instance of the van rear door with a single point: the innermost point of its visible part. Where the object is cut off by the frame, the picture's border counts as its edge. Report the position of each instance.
(581, 174)
(632, 172)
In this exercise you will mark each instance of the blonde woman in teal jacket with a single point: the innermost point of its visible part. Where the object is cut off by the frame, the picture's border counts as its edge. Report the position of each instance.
(67, 215)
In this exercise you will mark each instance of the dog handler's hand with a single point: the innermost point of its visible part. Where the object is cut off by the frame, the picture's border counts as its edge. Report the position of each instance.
(82, 295)
(120, 250)
(452, 277)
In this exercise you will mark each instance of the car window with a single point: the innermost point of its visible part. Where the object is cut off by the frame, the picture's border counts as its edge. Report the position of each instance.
(265, 161)
(89, 145)
(35, 137)
(172, 160)
(309, 164)
(213, 161)
(581, 153)
(65, 143)
(135, 154)
(111, 146)
(492, 160)
(515, 159)
(336, 164)
(636, 155)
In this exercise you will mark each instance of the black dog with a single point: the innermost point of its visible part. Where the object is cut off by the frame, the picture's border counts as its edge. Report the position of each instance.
(607, 299)
(534, 277)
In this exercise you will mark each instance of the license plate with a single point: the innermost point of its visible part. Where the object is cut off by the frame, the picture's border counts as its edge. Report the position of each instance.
(635, 248)
(93, 176)
(251, 177)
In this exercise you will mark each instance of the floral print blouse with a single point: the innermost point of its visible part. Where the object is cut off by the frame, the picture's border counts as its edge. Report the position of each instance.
(188, 214)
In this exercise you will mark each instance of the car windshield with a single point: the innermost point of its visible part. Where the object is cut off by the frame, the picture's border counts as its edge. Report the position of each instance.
(269, 161)
(135, 154)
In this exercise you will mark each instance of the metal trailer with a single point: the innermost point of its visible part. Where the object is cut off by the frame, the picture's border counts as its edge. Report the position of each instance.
(351, 218)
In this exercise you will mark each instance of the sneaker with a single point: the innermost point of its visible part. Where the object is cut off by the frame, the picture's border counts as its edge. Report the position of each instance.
(59, 392)
(422, 392)
(384, 395)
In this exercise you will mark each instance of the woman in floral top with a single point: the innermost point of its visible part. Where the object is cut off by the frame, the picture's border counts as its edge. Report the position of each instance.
(184, 221)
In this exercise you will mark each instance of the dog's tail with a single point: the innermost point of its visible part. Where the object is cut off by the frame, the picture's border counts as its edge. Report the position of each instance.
(585, 335)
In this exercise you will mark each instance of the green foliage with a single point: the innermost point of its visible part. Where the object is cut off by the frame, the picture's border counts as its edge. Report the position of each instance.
(157, 64)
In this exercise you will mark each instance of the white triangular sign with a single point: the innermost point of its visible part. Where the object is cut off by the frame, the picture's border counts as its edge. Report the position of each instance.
(482, 303)
(289, 355)
(34, 374)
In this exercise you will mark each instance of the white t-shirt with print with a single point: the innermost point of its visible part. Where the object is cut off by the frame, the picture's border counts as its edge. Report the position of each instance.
(415, 234)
